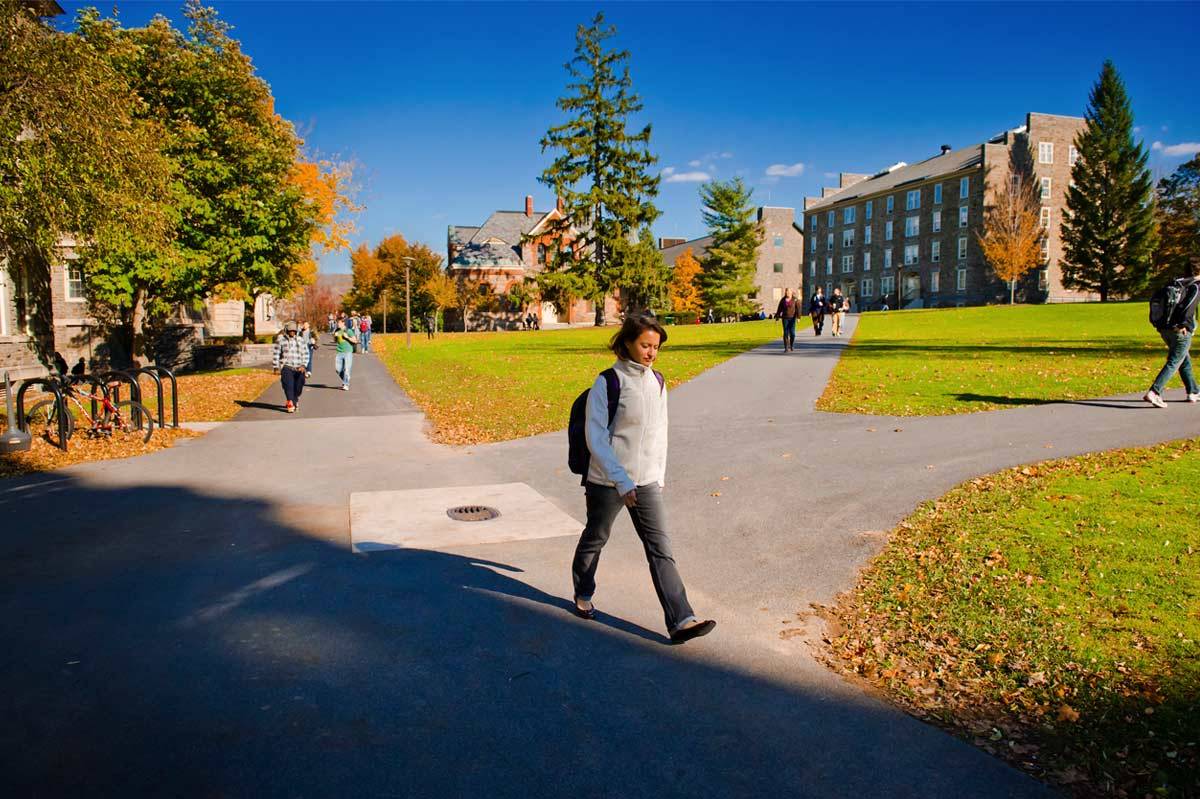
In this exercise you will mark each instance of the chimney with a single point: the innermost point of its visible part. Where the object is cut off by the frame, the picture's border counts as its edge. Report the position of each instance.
(945, 149)
(528, 205)
(558, 203)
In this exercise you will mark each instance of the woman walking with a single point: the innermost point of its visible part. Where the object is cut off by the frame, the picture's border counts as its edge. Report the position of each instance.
(628, 447)
(837, 310)
(816, 309)
(788, 310)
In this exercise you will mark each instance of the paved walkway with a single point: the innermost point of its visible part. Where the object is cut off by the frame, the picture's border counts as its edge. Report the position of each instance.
(192, 622)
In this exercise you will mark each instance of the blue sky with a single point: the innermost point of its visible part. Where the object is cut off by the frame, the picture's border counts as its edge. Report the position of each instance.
(441, 105)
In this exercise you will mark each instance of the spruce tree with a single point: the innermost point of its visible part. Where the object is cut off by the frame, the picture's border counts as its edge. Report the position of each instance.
(728, 270)
(1109, 232)
(602, 173)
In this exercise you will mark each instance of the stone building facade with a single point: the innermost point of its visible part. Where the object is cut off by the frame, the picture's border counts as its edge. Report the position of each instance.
(907, 234)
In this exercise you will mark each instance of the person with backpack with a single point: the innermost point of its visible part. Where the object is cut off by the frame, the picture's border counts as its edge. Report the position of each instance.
(364, 332)
(837, 310)
(816, 309)
(788, 310)
(291, 354)
(1173, 315)
(345, 340)
(622, 421)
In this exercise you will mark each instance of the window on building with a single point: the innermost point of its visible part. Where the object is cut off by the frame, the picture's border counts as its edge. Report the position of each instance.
(891, 203)
(847, 263)
(935, 281)
(541, 254)
(887, 284)
(812, 268)
(912, 226)
(867, 261)
(812, 244)
(937, 193)
(848, 237)
(962, 248)
(912, 200)
(962, 216)
(1046, 250)
(1045, 188)
(887, 230)
(964, 188)
(867, 234)
(848, 215)
(777, 267)
(960, 280)
(829, 265)
(828, 289)
(813, 219)
(867, 289)
(1072, 155)
(937, 221)
(777, 294)
(870, 204)
(778, 240)
(1045, 152)
(1045, 218)
(912, 254)
(887, 258)
(935, 251)
(829, 240)
(74, 278)
(1043, 279)
(829, 219)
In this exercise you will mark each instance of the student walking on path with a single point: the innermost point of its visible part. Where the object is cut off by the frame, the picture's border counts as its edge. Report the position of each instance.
(788, 310)
(837, 310)
(816, 309)
(291, 356)
(1176, 331)
(343, 361)
(628, 446)
(364, 333)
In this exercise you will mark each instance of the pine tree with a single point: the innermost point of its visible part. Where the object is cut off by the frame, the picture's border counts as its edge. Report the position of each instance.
(602, 174)
(1178, 210)
(644, 275)
(1109, 232)
(727, 279)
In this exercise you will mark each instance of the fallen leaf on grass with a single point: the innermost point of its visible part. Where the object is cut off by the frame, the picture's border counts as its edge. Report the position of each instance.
(1068, 714)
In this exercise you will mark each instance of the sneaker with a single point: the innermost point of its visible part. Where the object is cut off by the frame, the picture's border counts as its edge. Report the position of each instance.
(1193, 397)
(345, 386)
(297, 406)
(1154, 399)
(290, 408)
(307, 375)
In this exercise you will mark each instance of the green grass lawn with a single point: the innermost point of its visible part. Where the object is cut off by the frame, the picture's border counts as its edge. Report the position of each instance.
(480, 387)
(1052, 615)
(929, 362)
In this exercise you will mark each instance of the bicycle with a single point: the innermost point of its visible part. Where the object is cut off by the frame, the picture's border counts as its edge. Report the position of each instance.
(125, 421)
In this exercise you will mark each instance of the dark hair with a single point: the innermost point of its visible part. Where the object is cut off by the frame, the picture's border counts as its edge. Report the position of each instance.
(633, 327)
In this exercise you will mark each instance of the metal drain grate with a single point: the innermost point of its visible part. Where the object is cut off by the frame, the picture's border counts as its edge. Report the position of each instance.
(472, 513)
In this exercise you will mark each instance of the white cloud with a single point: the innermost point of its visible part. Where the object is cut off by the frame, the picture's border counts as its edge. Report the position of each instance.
(695, 163)
(688, 177)
(831, 175)
(785, 170)
(1183, 148)
(668, 171)
(725, 155)
(1137, 128)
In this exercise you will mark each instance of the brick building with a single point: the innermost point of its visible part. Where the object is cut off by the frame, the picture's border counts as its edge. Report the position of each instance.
(780, 256)
(908, 232)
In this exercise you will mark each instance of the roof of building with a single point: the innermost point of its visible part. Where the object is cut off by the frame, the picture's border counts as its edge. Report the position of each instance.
(497, 242)
(942, 164)
(699, 248)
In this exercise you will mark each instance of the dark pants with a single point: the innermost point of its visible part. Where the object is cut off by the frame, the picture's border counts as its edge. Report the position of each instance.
(1178, 359)
(649, 520)
(293, 383)
(818, 323)
(789, 332)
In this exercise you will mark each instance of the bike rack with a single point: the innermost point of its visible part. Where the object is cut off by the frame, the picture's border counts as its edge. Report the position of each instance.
(162, 370)
(150, 371)
(60, 403)
(135, 390)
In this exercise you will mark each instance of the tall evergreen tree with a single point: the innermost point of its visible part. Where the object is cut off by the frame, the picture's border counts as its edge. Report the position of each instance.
(1109, 232)
(1179, 220)
(644, 275)
(602, 173)
(727, 279)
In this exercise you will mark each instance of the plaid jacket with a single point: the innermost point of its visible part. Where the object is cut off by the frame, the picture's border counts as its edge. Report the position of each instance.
(291, 351)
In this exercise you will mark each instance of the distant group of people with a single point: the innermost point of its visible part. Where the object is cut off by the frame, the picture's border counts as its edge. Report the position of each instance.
(531, 321)
(296, 345)
(362, 324)
(790, 308)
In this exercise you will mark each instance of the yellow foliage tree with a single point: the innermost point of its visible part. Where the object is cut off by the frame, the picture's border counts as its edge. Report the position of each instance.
(368, 272)
(442, 292)
(685, 293)
(1011, 237)
(326, 187)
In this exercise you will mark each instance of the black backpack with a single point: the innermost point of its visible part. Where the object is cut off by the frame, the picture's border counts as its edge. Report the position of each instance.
(579, 457)
(1172, 304)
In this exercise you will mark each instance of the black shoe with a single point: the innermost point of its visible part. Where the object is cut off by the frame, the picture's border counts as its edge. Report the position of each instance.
(695, 631)
(588, 614)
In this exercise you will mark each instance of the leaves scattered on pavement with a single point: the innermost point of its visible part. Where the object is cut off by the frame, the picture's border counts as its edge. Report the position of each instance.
(45, 457)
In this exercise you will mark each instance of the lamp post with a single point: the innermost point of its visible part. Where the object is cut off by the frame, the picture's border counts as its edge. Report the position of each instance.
(385, 310)
(408, 259)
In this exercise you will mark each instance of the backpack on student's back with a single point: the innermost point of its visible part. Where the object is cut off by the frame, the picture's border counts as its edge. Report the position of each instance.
(579, 457)
(1171, 304)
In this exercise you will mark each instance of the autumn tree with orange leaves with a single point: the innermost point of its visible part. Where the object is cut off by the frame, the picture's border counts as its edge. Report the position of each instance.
(328, 189)
(685, 293)
(1012, 233)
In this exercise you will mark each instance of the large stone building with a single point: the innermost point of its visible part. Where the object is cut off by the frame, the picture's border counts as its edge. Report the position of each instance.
(908, 232)
(780, 256)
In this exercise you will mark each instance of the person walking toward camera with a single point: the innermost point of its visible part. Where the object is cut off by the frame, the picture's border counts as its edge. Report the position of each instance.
(343, 360)
(788, 310)
(816, 309)
(837, 310)
(626, 438)
(1173, 314)
(291, 356)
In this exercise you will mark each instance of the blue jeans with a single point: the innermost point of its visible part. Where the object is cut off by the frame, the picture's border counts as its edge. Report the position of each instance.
(366, 341)
(1178, 359)
(343, 362)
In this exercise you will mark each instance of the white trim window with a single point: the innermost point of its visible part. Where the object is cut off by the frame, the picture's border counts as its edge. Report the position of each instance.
(937, 193)
(867, 261)
(829, 219)
(1045, 217)
(937, 221)
(912, 226)
(847, 263)
(962, 248)
(887, 230)
(1045, 249)
(828, 289)
(812, 244)
(867, 208)
(867, 289)
(1045, 152)
(912, 200)
(813, 220)
(73, 283)
(935, 281)
(962, 216)
(848, 214)
(964, 188)
(778, 240)
(829, 240)
(912, 254)
(848, 237)
(887, 284)
(960, 280)
(887, 258)
(867, 234)
(829, 265)
(1046, 188)
(1072, 155)
(891, 203)
(812, 268)
(935, 251)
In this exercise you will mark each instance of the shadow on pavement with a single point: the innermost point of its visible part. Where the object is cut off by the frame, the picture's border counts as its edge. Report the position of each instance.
(1120, 404)
(161, 641)
(266, 406)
